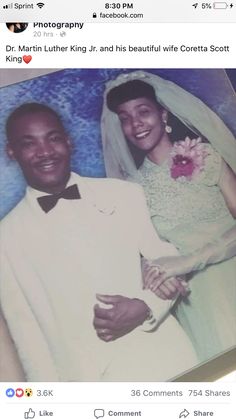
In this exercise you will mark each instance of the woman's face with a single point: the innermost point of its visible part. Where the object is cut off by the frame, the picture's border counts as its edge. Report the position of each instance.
(142, 122)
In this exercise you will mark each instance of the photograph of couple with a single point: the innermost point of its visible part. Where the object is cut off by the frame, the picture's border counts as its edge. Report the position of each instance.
(118, 231)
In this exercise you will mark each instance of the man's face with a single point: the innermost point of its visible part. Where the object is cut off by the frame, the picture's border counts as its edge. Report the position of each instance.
(41, 147)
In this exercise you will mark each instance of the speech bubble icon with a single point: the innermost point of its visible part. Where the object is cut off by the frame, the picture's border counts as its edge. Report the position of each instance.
(99, 413)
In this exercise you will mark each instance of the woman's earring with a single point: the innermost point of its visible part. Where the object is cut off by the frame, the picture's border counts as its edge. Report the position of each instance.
(168, 128)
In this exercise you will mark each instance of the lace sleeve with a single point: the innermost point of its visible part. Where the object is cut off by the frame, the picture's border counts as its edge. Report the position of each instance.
(212, 168)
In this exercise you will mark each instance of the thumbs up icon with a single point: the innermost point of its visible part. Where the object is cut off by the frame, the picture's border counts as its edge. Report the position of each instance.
(30, 414)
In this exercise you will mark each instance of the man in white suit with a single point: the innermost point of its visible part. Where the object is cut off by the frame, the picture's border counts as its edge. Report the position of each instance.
(70, 286)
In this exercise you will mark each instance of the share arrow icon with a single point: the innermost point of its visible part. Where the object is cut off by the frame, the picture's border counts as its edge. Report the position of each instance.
(184, 413)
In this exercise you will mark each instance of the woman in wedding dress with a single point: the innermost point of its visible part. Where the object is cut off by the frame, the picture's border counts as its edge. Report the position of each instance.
(190, 186)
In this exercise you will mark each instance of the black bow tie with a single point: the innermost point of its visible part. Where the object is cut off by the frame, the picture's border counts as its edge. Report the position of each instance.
(48, 202)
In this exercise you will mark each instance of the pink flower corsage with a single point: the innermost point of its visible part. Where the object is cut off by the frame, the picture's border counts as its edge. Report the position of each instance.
(187, 158)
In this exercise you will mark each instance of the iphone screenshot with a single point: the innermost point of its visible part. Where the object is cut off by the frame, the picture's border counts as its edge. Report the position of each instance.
(117, 209)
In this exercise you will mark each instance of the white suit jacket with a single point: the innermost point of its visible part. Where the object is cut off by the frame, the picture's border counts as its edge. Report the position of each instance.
(54, 264)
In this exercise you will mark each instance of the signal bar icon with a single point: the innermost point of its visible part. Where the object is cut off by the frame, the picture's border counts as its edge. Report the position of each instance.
(8, 6)
(40, 5)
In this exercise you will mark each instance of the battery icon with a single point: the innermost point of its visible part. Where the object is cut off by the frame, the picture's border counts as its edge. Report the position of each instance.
(220, 5)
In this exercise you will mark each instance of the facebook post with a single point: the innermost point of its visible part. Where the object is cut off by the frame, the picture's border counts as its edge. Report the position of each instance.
(118, 232)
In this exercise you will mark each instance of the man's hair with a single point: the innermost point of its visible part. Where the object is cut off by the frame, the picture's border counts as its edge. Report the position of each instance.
(130, 90)
(27, 109)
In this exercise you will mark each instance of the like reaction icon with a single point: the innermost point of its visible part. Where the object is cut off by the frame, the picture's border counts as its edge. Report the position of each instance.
(30, 414)
(10, 392)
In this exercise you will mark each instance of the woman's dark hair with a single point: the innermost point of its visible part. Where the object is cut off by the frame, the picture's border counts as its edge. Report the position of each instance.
(135, 89)
(130, 90)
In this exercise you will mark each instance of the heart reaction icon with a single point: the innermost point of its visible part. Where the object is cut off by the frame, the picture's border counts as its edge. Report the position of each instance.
(27, 58)
(19, 392)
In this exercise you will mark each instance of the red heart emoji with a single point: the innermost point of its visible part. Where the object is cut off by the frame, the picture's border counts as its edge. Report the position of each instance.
(27, 58)
(19, 392)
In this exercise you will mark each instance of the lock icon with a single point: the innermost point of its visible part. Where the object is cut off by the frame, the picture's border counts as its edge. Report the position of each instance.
(94, 15)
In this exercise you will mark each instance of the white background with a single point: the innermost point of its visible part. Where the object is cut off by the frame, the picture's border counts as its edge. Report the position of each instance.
(138, 34)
